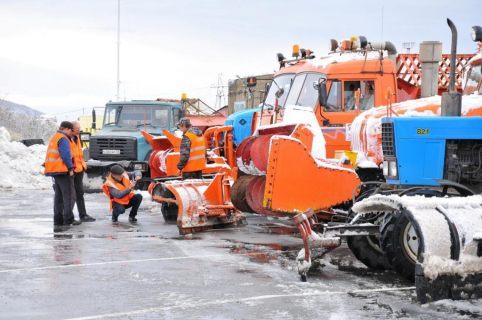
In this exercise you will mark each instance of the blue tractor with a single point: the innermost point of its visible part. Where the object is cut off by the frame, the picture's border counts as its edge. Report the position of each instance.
(429, 211)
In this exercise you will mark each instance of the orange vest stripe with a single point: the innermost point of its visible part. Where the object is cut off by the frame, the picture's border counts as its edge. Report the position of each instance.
(121, 186)
(53, 162)
(78, 156)
(197, 153)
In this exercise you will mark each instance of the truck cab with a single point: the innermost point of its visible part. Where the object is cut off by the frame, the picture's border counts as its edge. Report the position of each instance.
(120, 140)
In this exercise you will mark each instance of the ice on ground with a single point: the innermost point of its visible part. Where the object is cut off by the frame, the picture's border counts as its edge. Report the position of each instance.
(21, 166)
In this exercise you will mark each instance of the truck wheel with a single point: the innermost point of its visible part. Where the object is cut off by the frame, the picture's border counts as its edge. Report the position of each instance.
(168, 210)
(400, 241)
(367, 250)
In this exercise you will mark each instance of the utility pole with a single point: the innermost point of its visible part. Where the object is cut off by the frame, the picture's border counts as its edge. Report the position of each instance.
(118, 51)
(220, 96)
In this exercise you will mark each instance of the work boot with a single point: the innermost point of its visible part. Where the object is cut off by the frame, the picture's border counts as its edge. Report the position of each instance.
(76, 222)
(132, 219)
(87, 218)
(61, 227)
(114, 219)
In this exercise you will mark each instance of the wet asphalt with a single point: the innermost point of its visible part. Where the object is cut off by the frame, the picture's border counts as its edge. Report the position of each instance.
(147, 271)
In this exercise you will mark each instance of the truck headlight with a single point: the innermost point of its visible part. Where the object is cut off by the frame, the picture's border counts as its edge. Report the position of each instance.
(385, 168)
(392, 169)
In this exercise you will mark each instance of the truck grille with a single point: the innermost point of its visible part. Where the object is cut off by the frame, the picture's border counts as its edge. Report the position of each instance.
(388, 145)
(113, 148)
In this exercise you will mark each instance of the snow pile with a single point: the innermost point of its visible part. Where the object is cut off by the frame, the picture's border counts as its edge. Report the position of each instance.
(21, 166)
(435, 266)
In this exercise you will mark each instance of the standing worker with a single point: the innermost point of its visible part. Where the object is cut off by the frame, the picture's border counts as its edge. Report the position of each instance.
(118, 188)
(193, 151)
(79, 167)
(58, 164)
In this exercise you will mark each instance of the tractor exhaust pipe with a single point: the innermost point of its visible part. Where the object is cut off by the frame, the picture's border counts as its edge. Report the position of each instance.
(452, 100)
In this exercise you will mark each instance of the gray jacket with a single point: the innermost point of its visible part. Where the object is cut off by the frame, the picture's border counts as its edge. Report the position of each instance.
(185, 149)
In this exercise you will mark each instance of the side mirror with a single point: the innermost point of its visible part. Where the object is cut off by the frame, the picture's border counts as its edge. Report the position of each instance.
(320, 86)
(279, 93)
(93, 119)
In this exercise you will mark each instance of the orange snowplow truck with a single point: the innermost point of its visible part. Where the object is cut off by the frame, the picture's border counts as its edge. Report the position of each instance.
(357, 75)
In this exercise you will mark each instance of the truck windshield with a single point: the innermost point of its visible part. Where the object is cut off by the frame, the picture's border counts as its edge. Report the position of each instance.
(282, 81)
(303, 92)
(137, 115)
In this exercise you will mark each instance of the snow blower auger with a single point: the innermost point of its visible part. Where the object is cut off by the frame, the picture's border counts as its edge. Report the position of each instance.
(198, 204)
(288, 175)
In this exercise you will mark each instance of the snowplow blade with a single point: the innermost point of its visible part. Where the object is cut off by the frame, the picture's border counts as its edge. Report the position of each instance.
(448, 250)
(297, 182)
(198, 204)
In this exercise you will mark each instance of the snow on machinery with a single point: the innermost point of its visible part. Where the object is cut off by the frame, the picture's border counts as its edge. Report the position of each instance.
(426, 220)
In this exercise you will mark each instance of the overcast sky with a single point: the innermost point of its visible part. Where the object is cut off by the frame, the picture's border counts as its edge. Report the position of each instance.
(58, 56)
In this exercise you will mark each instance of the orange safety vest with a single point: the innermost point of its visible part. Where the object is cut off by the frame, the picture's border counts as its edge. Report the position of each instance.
(121, 186)
(53, 161)
(77, 156)
(197, 154)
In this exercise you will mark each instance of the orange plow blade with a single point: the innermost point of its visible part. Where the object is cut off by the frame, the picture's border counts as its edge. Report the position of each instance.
(198, 204)
(297, 182)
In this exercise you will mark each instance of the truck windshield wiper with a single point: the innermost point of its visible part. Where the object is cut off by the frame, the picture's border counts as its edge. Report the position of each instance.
(107, 124)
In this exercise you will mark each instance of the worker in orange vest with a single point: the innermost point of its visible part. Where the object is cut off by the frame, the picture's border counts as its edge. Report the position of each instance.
(118, 188)
(58, 165)
(79, 167)
(192, 158)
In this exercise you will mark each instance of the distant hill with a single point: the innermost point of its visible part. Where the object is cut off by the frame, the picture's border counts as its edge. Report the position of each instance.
(23, 122)
(19, 108)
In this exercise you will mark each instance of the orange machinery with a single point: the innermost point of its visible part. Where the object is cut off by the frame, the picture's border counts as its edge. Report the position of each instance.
(195, 205)
(358, 74)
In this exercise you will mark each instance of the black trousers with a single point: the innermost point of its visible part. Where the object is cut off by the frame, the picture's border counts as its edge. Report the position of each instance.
(135, 202)
(63, 199)
(192, 175)
(79, 194)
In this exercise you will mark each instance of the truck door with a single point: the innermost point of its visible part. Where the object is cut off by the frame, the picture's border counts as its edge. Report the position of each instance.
(342, 107)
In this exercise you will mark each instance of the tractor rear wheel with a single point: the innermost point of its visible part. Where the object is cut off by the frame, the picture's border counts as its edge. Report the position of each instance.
(400, 241)
(367, 250)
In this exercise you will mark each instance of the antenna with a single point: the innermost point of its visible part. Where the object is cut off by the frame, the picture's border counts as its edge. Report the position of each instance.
(382, 25)
(118, 51)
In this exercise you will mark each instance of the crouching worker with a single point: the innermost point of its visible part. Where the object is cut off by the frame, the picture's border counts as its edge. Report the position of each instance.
(118, 188)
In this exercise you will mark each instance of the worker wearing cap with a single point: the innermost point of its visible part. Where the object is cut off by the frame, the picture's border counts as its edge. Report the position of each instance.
(58, 164)
(118, 188)
(192, 152)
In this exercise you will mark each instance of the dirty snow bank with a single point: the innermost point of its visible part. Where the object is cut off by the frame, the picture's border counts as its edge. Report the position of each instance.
(21, 166)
